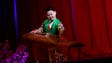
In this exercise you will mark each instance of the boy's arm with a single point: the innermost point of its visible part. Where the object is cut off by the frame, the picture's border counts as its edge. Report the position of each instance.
(61, 29)
(39, 30)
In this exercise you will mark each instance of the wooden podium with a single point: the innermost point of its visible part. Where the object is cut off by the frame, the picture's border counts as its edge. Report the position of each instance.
(52, 41)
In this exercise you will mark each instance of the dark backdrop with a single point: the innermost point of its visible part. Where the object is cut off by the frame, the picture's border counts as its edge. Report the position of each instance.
(7, 26)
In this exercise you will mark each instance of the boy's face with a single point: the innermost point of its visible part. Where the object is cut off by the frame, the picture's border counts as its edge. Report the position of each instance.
(51, 15)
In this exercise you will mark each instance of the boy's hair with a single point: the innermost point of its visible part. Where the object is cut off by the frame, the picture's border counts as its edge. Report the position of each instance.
(48, 9)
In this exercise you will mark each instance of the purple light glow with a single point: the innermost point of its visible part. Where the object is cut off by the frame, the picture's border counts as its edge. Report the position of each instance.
(73, 11)
(73, 14)
(15, 19)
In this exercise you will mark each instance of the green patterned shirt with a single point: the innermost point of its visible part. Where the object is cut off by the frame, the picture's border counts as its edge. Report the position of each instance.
(54, 28)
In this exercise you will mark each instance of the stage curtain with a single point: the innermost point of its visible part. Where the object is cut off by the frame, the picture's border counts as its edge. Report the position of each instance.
(86, 21)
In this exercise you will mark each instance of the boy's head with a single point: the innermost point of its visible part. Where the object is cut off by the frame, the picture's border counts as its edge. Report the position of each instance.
(51, 13)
